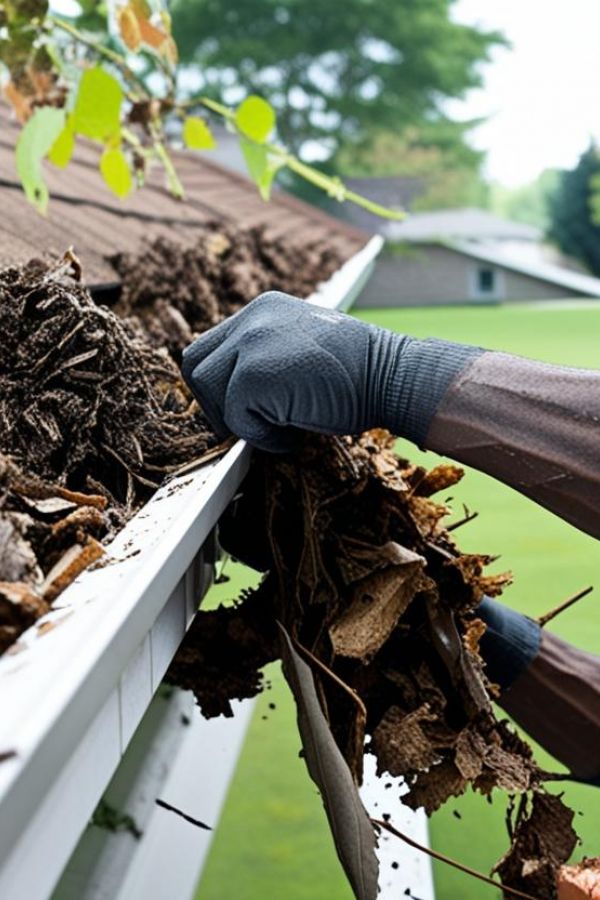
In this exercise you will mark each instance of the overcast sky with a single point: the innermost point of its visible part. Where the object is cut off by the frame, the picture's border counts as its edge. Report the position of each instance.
(542, 96)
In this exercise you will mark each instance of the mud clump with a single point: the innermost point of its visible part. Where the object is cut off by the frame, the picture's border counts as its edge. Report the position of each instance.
(379, 600)
(83, 400)
(175, 292)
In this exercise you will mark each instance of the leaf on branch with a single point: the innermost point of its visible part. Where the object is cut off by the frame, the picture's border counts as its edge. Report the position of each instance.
(19, 101)
(255, 118)
(197, 135)
(97, 112)
(129, 28)
(136, 27)
(116, 172)
(62, 148)
(350, 825)
(262, 166)
(35, 141)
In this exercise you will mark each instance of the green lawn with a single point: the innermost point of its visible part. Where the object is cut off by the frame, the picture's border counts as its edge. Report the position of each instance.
(272, 841)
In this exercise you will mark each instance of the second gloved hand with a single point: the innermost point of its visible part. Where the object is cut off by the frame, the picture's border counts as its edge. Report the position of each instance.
(281, 364)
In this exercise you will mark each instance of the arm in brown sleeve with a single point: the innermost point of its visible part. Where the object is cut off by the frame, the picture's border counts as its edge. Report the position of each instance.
(531, 425)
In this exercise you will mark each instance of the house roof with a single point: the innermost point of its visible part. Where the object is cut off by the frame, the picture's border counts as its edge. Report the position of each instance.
(458, 224)
(397, 192)
(585, 285)
(84, 214)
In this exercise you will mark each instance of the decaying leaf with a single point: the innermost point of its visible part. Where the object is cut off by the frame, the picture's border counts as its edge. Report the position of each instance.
(376, 604)
(543, 839)
(351, 827)
(401, 743)
(439, 478)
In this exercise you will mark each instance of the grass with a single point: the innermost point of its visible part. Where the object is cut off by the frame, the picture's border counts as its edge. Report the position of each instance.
(272, 841)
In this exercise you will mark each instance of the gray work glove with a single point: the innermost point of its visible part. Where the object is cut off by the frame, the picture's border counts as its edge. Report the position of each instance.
(281, 364)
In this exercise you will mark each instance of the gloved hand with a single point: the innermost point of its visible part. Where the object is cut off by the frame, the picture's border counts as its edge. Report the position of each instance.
(281, 364)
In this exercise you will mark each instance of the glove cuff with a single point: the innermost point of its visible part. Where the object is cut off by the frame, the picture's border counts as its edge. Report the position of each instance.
(510, 643)
(417, 381)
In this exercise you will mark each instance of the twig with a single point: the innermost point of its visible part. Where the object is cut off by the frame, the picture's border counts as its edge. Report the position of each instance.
(183, 815)
(136, 475)
(213, 453)
(114, 57)
(468, 518)
(451, 862)
(327, 671)
(543, 620)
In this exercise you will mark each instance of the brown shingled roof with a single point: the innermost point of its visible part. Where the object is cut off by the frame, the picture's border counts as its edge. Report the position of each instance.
(84, 214)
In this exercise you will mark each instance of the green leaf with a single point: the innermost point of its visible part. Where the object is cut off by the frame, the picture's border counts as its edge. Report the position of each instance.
(262, 166)
(197, 135)
(62, 148)
(97, 112)
(255, 118)
(35, 140)
(116, 172)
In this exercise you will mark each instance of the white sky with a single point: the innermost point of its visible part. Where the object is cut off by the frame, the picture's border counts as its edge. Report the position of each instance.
(543, 96)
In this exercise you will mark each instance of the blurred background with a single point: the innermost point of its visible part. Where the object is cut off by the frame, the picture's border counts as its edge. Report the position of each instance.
(482, 120)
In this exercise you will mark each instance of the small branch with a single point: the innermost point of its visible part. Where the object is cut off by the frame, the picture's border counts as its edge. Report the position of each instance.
(183, 815)
(543, 620)
(333, 187)
(327, 671)
(468, 518)
(451, 862)
(101, 50)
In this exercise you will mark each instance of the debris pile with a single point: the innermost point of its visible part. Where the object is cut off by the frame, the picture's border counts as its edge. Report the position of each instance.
(175, 292)
(379, 601)
(93, 411)
(84, 401)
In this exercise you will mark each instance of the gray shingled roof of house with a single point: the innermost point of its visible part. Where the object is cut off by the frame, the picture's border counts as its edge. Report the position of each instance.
(458, 224)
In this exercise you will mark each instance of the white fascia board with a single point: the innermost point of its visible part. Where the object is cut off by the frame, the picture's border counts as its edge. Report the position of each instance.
(115, 630)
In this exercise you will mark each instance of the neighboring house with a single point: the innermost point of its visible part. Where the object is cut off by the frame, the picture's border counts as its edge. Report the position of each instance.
(469, 256)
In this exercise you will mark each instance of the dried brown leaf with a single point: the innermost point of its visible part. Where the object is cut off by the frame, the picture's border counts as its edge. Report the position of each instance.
(377, 602)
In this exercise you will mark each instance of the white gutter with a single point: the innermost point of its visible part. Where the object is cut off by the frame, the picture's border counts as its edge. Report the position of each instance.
(73, 694)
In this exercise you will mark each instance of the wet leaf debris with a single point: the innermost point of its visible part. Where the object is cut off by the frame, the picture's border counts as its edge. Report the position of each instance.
(378, 601)
(174, 291)
(83, 400)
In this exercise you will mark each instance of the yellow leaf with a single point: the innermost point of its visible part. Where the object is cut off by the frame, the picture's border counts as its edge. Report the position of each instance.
(62, 148)
(255, 118)
(197, 135)
(116, 172)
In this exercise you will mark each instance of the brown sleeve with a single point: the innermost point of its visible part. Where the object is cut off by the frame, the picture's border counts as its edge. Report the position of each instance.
(532, 425)
(556, 700)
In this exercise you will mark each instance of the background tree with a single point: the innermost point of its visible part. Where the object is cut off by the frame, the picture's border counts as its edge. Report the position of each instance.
(572, 211)
(113, 78)
(528, 203)
(435, 154)
(336, 72)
